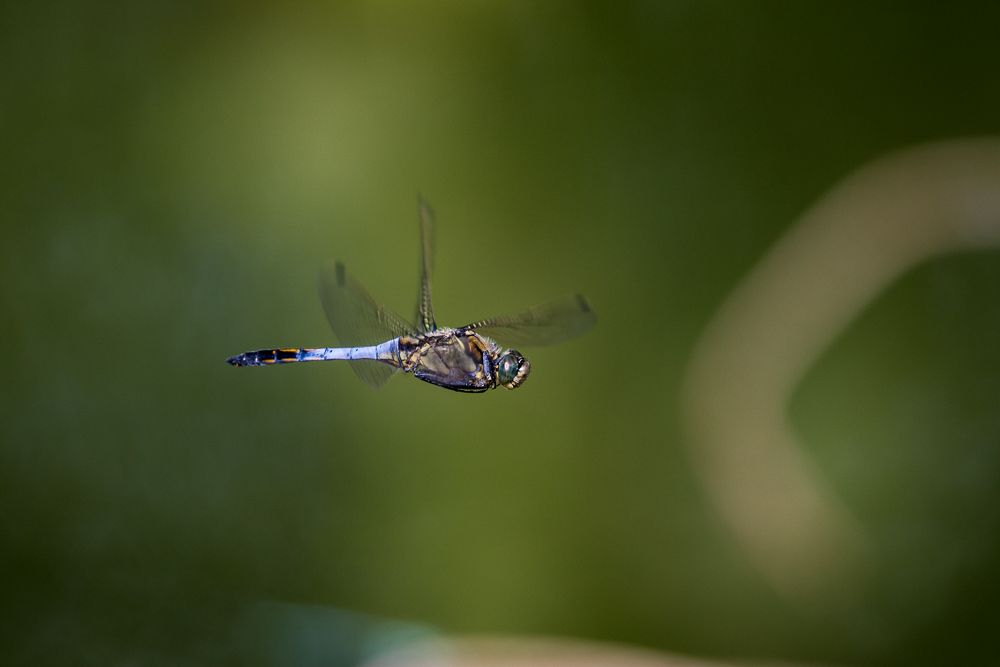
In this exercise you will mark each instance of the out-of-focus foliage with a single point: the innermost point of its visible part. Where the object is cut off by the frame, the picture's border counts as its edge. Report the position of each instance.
(174, 176)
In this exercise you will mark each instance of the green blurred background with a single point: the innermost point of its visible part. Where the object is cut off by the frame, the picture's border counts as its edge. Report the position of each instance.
(174, 175)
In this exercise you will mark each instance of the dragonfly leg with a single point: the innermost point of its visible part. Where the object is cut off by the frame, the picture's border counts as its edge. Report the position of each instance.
(488, 369)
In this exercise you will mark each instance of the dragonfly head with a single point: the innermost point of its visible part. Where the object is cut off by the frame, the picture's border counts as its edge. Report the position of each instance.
(512, 369)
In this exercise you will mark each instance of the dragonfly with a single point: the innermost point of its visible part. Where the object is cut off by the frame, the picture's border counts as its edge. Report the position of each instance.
(466, 359)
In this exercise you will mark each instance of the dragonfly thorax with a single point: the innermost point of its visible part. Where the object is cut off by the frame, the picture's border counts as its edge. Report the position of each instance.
(461, 359)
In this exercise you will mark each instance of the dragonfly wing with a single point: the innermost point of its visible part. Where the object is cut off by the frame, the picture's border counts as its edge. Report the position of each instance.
(356, 319)
(546, 324)
(425, 306)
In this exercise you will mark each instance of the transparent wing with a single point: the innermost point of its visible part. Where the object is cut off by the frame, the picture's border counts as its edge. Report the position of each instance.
(546, 324)
(425, 306)
(357, 320)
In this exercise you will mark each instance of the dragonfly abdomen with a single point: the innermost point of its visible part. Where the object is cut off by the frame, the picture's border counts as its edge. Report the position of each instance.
(387, 352)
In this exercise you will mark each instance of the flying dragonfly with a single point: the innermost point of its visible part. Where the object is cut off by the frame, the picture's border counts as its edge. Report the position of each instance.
(466, 358)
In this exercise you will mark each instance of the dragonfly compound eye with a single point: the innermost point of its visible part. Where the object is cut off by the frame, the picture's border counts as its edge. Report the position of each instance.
(512, 369)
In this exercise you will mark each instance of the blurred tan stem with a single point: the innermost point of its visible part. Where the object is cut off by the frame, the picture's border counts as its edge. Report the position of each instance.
(876, 224)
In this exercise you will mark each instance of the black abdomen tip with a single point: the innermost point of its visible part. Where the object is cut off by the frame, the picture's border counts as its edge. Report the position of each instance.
(245, 359)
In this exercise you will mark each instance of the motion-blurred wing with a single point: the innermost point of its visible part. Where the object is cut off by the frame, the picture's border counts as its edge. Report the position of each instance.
(357, 320)
(425, 305)
(546, 324)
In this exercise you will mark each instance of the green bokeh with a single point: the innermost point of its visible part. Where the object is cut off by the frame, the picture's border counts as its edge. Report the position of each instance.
(172, 179)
